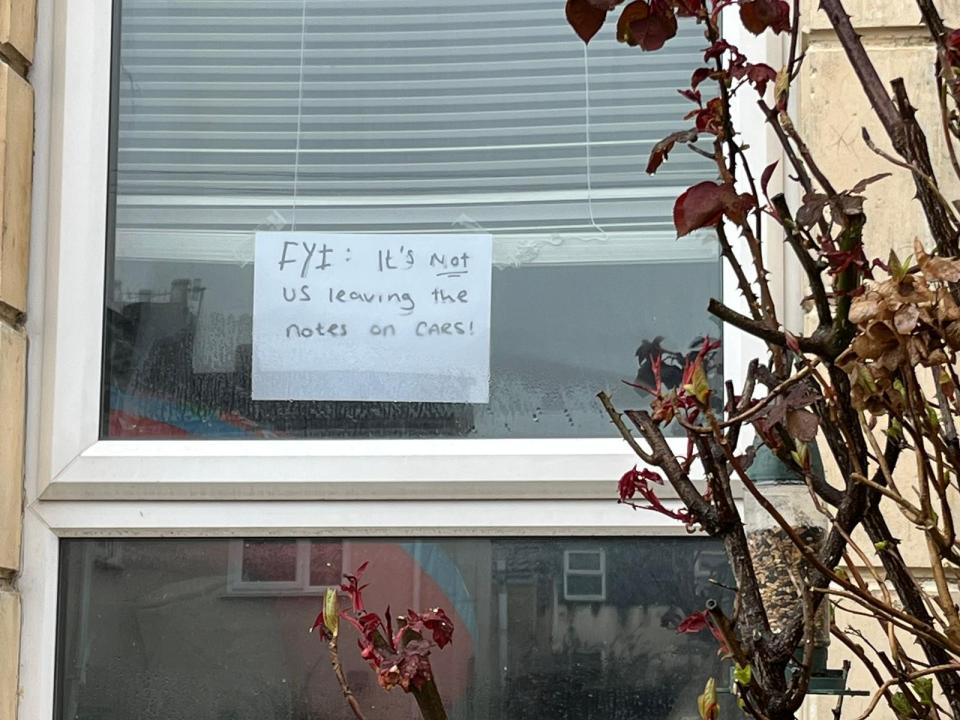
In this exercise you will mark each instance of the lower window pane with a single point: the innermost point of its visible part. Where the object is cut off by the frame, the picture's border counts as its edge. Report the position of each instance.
(160, 630)
(179, 361)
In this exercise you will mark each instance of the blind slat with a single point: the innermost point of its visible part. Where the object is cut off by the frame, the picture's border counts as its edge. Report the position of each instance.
(403, 117)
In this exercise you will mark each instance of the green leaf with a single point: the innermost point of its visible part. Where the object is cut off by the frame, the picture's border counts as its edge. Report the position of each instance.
(900, 387)
(923, 687)
(841, 573)
(699, 386)
(331, 611)
(898, 270)
(707, 702)
(895, 430)
(865, 379)
(901, 705)
(882, 545)
(743, 674)
(801, 455)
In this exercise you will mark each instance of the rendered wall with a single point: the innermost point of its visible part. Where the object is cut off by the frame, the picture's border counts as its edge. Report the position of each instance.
(831, 111)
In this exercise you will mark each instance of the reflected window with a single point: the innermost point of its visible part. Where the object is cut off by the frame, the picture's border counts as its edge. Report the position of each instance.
(159, 638)
(267, 567)
(584, 575)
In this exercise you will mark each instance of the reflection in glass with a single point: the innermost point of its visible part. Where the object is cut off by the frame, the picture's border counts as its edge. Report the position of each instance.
(234, 117)
(269, 560)
(160, 633)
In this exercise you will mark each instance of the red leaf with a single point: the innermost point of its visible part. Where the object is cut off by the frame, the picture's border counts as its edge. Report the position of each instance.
(717, 49)
(638, 481)
(693, 96)
(759, 75)
(701, 206)
(586, 18)
(663, 148)
(634, 12)
(738, 207)
(693, 623)
(690, 8)
(648, 25)
(354, 589)
(760, 15)
(436, 621)
(710, 118)
(699, 75)
(765, 177)
(792, 341)
(953, 47)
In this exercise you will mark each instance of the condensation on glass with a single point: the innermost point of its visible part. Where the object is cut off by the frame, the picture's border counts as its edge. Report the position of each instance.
(178, 630)
(395, 116)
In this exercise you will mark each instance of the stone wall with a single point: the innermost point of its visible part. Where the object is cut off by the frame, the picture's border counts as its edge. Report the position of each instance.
(831, 111)
(17, 30)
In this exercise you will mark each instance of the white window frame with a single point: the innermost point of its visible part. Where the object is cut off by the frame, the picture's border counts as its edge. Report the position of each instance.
(601, 573)
(75, 464)
(300, 585)
(80, 486)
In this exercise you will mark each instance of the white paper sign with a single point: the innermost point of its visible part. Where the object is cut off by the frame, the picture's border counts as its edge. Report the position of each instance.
(372, 317)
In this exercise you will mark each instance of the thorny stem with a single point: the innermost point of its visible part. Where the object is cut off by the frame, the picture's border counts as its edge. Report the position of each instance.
(342, 680)
(814, 559)
(850, 241)
(810, 267)
(763, 331)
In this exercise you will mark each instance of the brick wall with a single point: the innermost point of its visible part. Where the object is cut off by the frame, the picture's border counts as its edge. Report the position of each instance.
(17, 30)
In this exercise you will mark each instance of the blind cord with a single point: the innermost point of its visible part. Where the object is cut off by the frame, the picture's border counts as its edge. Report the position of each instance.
(586, 104)
(296, 166)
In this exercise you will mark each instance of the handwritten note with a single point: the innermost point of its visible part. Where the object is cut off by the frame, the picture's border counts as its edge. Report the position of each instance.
(371, 317)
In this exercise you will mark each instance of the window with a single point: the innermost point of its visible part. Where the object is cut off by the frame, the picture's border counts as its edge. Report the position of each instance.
(157, 487)
(585, 269)
(234, 118)
(162, 641)
(584, 575)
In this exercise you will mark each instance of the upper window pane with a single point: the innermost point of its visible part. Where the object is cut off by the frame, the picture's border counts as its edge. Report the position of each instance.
(394, 117)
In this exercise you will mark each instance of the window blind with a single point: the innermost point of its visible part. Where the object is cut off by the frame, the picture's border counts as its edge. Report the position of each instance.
(396, 116)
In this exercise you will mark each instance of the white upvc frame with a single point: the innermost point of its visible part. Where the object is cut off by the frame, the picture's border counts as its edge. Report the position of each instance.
(48, 522)
(75, 464)
(80, 486)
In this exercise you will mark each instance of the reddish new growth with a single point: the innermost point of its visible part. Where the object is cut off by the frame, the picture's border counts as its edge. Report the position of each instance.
(693, 391)
(401, 656)
(638, 481)
(686, 400)
(698, 622)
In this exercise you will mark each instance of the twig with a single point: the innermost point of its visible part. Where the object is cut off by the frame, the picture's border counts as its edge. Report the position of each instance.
(617, 419)
(763, 331)
(909, 677)
(917, 172)
(809, 264)
(342, 680)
